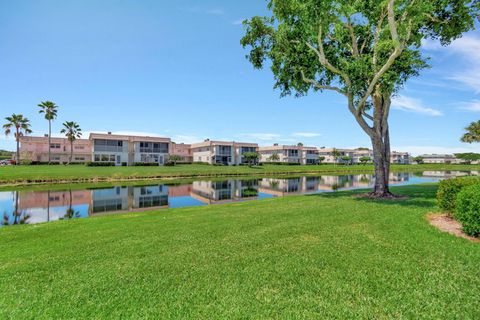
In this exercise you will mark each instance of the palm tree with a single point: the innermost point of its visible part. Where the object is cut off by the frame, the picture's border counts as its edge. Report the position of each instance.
(274, 157)
(473, 133)
(72, 131)
(335, 154)
(50, 110)
(21, 125)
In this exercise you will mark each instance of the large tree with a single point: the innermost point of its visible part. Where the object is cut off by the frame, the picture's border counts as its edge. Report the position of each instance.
(49, 109)
(473, 133)
(20, 126)
(364, 50)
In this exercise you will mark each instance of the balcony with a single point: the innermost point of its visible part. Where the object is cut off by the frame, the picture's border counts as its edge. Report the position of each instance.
(108, 149)
(153, 150)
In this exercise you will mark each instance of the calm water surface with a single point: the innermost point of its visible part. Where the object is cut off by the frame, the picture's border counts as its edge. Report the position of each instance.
(19, 207)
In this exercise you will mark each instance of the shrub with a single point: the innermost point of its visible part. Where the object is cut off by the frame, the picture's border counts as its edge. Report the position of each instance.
(124, 164)
(449, 189)
(468, 210)
(281, 163)
(202, 163)
(25, 162)
(100, 164)
(169, 164)
(145, 164)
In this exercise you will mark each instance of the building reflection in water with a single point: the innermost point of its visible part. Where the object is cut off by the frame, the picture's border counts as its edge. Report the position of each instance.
(19, 207)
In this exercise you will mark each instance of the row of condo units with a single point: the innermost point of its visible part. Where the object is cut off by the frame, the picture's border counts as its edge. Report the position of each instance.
(444, 159)
(129, 150)
(355, 156)
(117, 149)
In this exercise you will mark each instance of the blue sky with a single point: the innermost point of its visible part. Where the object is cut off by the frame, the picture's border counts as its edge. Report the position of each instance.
(176, 68)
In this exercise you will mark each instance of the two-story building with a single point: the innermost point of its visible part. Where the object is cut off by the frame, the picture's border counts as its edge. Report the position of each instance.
(222, 152)
(36, 149)
(289, 154)
(128, 150)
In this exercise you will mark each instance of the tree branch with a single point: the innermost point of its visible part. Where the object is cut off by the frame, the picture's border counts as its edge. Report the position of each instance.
(349, 26)
(361, 121)
(392, 24)
(391, 59)
(323, 60)
(320, 86)
(376, 38)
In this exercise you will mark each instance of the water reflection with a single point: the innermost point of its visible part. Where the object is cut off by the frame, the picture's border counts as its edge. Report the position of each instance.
(21, 207)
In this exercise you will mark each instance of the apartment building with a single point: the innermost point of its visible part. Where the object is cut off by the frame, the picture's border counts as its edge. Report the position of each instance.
(355, 156)
(128, 150)
(330, 157)
(399, 157)
(36, 149)
(182, 150)
(289, 154)
(440, 158)
(222, 152)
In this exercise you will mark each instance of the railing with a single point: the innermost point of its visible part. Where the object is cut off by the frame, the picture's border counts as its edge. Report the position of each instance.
(108, 149)
(153, 150)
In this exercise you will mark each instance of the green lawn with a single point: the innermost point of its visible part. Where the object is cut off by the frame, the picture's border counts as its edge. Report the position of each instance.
(80, 173)
(316, 257)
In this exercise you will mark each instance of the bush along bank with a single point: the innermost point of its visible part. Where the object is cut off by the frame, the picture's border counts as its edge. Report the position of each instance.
(460, 198)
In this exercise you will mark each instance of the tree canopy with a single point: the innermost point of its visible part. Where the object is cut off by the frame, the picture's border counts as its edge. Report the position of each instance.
(352, 47)
(473, 133)
(365, 50)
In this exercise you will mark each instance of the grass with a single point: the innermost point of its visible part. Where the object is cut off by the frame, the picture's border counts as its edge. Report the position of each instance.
(80, 173)
(321, 256)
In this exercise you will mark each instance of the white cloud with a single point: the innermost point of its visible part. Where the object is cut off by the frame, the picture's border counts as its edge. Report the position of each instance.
(306, 134)
(238, 22)
(473, 105)
(414, 105)
(466, 50)
(215, 11)
(417, 150)
(180, 138)
(211, 11)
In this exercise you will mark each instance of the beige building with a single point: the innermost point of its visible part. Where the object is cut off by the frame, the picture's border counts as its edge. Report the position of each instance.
(128, 150)
(356, 155)
(222, 152)
(289, 154)
(440, 158)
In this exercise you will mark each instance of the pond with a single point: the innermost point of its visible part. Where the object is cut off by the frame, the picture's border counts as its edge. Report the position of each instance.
(30, 207)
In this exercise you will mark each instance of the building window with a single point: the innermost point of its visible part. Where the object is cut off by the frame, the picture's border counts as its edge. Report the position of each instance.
(55, 146)
(104, 158)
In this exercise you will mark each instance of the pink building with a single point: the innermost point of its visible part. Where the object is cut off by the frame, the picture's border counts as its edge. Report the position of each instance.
(36, 149)
(183, 150)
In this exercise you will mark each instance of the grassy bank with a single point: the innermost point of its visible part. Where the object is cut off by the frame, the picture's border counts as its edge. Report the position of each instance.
(79, 173)
(328, 256)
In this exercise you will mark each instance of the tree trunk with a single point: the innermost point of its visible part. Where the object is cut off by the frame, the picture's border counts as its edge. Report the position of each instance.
(18, 147)
(49, 141)
(71, 152)
(381, 145)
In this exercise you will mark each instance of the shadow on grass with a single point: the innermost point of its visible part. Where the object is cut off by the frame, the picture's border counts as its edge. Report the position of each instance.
(420, 196)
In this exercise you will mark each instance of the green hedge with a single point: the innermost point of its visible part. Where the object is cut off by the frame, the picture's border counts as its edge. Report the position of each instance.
(468, 210)
(145, 164)
(100, 164)
(281, 163)
(449, 189)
